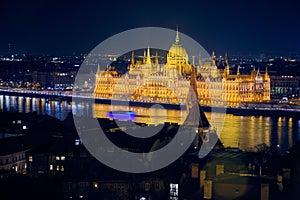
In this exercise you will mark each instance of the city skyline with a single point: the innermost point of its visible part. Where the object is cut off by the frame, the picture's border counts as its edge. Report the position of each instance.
(77, 27)
(149, 100)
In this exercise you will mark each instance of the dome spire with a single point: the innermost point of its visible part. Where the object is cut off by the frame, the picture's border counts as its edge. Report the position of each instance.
(177, 36)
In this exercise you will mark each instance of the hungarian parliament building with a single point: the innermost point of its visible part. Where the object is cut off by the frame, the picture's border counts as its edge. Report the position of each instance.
(147, 80)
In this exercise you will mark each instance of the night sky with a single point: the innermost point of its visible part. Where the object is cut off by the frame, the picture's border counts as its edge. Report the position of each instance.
(66, 27)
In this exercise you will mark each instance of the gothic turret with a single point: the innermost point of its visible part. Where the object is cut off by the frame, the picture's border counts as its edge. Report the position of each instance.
(156, 58)
(227, 70)
(213, 58)
(132, 58)
(266, 75)
(148, 60)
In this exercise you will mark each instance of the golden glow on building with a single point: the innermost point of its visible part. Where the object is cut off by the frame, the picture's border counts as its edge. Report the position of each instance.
(148, 81)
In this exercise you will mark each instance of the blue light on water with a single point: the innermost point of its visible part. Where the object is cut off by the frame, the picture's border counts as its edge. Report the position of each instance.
(121, 115)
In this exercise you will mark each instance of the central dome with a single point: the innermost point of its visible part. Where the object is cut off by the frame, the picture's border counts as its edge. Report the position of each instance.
(178, 58)
(177, 51)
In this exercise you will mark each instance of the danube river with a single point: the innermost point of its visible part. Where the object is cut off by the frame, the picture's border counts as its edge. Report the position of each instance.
(244, 132)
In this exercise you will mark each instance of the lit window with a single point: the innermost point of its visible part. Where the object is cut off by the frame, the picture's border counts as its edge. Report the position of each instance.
(77, 142)
(57, 168)
(95, 185)
(62, 168)
(51, 167)
(30, 159)
(57, 158)
(62, 157)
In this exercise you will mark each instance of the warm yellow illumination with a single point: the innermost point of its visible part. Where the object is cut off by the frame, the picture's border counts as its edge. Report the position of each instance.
(149, 81)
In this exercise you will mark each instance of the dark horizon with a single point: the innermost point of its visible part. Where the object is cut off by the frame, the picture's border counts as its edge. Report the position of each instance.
(55, 27)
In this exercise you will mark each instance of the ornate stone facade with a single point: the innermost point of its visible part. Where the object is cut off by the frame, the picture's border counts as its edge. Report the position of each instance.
(149, 81)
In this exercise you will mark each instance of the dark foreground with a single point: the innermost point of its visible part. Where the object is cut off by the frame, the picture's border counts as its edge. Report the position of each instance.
(46, 160)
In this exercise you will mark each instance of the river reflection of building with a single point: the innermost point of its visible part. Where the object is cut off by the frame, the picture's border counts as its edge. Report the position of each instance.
(243, 132)
(154, 115)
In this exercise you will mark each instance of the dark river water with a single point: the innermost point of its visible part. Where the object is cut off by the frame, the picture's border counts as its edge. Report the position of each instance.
(244, 132)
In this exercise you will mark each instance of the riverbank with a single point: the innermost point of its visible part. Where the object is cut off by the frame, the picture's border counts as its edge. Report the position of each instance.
(253, 109)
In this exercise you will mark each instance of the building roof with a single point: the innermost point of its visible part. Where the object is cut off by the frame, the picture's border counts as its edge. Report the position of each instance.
(12, 145)
(228, 178)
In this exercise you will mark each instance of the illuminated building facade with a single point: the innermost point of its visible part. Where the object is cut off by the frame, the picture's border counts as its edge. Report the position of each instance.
(233, 89)
(148, 81)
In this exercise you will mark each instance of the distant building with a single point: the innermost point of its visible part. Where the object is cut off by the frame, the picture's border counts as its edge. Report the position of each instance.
(149, 81)
(54, 78)
(284, 85)
(240, 88)
(48, 160)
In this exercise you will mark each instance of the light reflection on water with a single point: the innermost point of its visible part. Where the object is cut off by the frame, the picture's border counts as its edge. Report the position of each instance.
(242, 132)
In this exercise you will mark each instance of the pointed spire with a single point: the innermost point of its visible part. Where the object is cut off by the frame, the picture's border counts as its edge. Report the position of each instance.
(213, 58)
(132, 58)
(227, 70)
(177, 36)
(98, 74)
(193, 60)
(226, 59)
(156, 58)
(266, 77)
(213, 54)
(238, 71)
(98, 70)
(144, 58)
(200, 59)
(148, 56)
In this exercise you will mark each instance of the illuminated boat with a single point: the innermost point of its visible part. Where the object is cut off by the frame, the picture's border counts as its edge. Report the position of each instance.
(121, 115)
